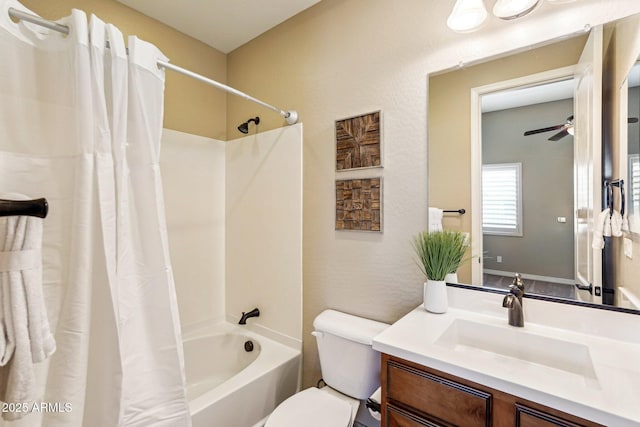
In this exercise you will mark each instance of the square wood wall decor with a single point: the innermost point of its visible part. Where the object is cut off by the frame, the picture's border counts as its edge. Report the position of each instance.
(358, 142)
(359, 204)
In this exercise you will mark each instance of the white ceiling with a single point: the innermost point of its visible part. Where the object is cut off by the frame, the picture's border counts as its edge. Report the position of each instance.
(223, 24)
(521, 97)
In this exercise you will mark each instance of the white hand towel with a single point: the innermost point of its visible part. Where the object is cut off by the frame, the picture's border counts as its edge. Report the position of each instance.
(27, 338)
(608, 225)
(603, 228)
(625, 225)
(617, 224)
(435, 219)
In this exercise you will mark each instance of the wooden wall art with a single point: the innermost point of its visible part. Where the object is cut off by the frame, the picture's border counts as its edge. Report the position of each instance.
(358, 142)
(359, 204)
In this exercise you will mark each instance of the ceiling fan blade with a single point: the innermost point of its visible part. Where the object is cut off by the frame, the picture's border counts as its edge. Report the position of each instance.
(558, 136)
(533, 132)
(633, 120)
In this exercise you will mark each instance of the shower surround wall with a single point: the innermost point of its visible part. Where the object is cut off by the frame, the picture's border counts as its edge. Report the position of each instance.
(264, 231)
(193, 177)
(234, 217)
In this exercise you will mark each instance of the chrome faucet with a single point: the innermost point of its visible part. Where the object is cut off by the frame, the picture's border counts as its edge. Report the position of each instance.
(513, 302)
(253, 313)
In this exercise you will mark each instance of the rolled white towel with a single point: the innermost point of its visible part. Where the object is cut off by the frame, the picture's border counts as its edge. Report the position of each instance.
(435, 219)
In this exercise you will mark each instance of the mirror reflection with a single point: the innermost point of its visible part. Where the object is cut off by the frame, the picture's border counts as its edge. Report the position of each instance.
(539, 186)
(527, 188)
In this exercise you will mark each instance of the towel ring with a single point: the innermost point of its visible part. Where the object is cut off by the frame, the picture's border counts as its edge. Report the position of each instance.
(609, 195)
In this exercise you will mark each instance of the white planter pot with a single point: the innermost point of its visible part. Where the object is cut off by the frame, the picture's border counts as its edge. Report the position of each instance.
(435, 296)
(451, 278)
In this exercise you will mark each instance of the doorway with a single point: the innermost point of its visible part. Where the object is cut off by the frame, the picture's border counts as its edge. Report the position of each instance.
(524, 184)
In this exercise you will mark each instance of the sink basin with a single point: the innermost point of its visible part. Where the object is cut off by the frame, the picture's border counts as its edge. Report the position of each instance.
(515, 343)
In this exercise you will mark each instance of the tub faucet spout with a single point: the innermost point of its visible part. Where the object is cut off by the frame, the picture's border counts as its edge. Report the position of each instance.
(253, 313)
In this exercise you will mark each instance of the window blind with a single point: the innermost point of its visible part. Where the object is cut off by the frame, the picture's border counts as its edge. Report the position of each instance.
(634, 187)
(502, 199)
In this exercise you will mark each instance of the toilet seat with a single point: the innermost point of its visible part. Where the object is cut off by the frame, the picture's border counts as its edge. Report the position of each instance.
(311, 408)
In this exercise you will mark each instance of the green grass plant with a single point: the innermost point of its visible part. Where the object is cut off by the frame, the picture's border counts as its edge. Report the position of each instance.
(440, 252)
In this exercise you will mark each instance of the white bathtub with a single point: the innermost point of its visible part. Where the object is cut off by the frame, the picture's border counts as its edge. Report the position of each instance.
(230, 387)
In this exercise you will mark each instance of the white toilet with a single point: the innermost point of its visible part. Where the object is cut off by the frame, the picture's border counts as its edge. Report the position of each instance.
(350, 368)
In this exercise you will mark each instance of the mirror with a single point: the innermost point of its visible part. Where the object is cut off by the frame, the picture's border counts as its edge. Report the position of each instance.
(452, 186)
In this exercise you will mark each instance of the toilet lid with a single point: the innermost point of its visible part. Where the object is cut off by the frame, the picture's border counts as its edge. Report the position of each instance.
(311, 408)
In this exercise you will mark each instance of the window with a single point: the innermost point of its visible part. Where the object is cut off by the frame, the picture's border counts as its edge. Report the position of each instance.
(502, 199)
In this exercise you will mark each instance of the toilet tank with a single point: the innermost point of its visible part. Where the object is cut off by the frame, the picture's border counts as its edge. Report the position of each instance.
(348, 362)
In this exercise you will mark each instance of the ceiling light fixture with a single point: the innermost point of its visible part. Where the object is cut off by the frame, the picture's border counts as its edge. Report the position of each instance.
(467, 15)
(512, 9)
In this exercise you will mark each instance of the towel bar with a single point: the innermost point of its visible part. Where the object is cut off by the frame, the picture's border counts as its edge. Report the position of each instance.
(37, 207)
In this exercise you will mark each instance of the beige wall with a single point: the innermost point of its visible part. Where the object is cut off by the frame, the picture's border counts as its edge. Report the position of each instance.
(330, 62)
(450, 129)
(190, 106)
(345, 57)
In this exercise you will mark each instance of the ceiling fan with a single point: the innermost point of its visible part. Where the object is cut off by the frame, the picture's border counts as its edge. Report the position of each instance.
(565, 129)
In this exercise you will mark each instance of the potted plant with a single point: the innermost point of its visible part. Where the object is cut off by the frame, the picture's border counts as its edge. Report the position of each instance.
(439, 253)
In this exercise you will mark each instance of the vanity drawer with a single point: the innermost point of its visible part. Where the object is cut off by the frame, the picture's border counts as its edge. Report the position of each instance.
(439, 397)
(396, 417)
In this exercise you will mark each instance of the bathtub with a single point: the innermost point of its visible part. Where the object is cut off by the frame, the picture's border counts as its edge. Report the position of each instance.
(228, 386)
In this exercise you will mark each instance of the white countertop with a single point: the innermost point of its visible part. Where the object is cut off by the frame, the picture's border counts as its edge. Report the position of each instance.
(610, 395)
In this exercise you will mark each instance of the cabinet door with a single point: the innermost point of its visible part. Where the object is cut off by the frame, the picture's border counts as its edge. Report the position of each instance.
(528, 417)
(397, 417)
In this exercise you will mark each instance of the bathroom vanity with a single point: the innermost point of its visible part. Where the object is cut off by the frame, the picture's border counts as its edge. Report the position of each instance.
(468, 367)
(415, 395)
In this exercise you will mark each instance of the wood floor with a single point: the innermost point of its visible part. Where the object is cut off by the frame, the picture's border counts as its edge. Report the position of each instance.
(539, 287)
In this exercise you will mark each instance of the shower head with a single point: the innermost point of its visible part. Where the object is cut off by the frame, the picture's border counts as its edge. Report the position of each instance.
(244, 127)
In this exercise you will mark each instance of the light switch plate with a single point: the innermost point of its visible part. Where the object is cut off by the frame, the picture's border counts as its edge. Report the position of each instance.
(562, 219)
(628, 248)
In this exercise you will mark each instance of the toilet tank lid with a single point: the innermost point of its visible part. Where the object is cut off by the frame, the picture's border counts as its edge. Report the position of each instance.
(347, 326)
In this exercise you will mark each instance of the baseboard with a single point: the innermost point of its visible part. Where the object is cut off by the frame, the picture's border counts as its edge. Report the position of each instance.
(532, 277)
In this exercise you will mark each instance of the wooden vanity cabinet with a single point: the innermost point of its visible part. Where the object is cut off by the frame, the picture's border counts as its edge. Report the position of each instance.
(416, 396)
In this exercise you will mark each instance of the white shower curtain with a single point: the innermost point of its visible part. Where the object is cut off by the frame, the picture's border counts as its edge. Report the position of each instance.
(80, 125)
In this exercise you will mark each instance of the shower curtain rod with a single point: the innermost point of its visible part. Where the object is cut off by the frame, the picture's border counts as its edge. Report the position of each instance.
(291, 116)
